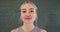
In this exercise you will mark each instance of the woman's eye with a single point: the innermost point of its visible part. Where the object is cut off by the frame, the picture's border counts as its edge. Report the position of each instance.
(31, 11)
(24, 11)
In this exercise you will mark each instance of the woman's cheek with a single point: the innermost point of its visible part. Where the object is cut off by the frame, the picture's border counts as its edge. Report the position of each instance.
(22, 16)
(33, 16)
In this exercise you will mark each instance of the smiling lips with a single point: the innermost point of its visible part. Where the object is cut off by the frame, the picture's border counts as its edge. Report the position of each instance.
(28, 18)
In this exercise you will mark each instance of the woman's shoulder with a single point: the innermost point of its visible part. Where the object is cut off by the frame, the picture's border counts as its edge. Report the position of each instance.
(42, 30)
(14, 30)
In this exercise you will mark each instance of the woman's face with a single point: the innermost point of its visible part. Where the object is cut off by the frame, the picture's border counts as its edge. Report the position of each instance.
(28, 13)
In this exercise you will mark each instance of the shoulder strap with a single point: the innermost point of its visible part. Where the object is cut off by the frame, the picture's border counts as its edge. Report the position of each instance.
(20, 29)
(36, 29)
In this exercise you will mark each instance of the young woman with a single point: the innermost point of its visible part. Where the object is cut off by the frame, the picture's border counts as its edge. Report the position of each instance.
(28, 16)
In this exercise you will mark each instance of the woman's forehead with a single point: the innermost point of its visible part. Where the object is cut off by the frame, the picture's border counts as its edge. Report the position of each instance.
(27, 8)
(27, 5)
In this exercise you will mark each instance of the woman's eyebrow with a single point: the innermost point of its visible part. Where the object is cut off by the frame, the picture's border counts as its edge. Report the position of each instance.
(31, 8)
(23, 9)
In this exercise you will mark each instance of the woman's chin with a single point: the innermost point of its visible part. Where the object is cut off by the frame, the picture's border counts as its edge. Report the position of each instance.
(28, 21)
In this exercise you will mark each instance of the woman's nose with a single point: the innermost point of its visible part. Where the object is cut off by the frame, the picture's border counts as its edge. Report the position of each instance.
(28, 14)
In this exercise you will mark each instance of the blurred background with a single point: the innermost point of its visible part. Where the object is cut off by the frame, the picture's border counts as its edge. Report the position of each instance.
(48, 14)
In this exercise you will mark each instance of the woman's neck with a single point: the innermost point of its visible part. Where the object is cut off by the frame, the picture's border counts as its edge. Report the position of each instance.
(28, 27)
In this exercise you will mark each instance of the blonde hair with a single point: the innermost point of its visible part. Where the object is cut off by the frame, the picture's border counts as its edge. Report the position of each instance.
(29, 3)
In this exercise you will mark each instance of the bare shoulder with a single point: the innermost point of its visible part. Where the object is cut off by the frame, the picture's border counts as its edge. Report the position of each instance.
(14, 30)
(42, 30)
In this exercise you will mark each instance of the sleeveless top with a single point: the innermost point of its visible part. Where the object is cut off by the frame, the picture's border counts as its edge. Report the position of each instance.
(36, 29)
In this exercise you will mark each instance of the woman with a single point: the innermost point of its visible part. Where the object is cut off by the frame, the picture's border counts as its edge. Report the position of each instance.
(28, 16)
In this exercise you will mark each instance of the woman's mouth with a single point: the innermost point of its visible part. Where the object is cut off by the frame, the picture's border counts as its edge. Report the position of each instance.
(28, 18)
